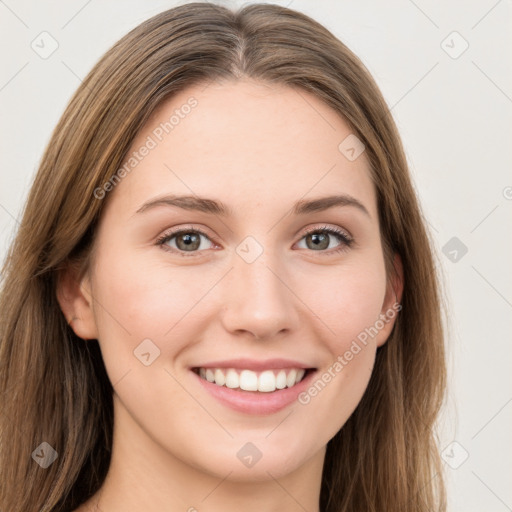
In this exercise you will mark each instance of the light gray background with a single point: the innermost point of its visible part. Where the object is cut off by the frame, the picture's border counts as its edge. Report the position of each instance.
(454, 115)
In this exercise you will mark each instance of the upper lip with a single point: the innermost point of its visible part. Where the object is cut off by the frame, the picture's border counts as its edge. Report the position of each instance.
(255, 365)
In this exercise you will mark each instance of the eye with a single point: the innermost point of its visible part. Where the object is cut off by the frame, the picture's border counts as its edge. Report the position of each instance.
(193, 240)
(319, 239)
(184, 240)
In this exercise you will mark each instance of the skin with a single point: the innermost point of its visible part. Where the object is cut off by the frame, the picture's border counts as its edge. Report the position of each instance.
(258, 149)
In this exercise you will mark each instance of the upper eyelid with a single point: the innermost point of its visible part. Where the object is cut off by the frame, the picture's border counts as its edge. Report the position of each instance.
(328, 228)
(172, 233)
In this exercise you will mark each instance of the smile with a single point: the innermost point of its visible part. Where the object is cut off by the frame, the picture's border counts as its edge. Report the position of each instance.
(266, 381)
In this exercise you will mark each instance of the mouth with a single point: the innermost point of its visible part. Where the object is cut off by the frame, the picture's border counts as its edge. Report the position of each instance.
(254, 387)
(266, 381)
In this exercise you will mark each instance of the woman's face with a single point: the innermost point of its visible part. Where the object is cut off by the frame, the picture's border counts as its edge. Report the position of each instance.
(278, 267)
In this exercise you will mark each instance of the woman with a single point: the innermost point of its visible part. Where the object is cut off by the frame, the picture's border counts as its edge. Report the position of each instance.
(222, 293)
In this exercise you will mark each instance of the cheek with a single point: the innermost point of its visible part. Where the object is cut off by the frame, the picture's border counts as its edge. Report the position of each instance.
(138, 299)
(351, 308)
(350, 301)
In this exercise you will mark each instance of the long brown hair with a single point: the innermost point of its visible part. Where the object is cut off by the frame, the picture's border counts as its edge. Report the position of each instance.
(53, 385)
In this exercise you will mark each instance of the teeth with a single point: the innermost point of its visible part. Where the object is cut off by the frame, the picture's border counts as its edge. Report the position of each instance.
(281, 380)
(232, 379)
(248, 380)
(265, 382)
(220, 378)
(290, 378)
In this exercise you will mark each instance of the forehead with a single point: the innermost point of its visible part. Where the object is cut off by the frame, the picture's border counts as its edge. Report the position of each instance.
(248, 143)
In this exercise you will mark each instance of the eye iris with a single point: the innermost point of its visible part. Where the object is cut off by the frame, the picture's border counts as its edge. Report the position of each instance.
(191, 241)
(319, 240)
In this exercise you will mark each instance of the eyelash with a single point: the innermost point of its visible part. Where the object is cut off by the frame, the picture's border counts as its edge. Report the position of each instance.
(344, 238)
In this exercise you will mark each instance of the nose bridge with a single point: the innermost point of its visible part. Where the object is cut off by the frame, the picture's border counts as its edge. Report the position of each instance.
(257, 298)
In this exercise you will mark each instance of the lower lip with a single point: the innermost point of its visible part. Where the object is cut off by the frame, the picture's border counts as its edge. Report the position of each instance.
(256, 402)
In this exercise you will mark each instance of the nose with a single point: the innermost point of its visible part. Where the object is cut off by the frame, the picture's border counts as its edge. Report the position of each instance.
(259, 300)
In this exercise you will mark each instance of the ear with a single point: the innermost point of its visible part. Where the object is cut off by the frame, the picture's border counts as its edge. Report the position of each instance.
(76, 302)
(391, 305)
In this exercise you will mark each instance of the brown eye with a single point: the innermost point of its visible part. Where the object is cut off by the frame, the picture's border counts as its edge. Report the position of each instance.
(321, 239)
(317, 241)
(184, 241)
(188, 241)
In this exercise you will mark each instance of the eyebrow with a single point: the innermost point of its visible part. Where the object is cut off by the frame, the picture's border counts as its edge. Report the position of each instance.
(206, 205)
